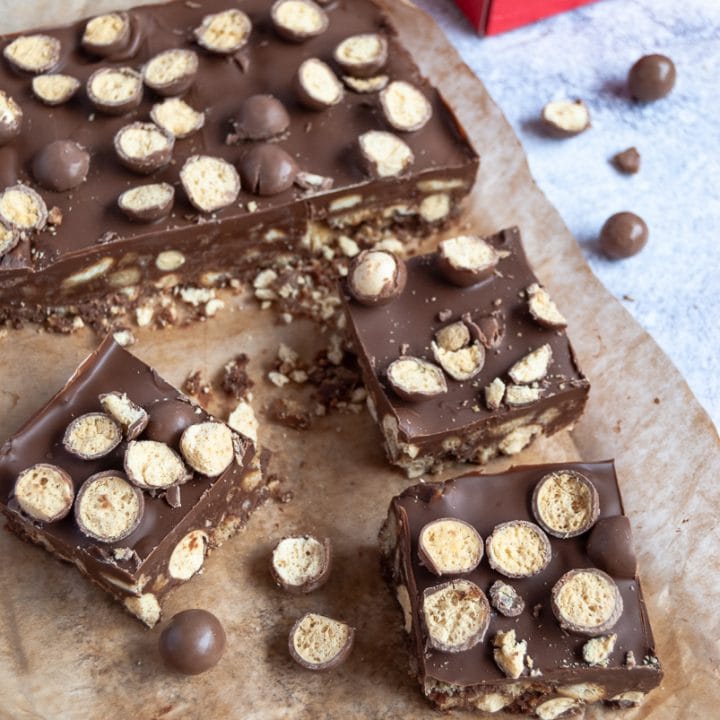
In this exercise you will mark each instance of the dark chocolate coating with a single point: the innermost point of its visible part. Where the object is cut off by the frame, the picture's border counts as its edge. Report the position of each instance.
(610, 547)
(652, 77)
(267, 170)
(192, 642)
(61, 165)
(623, 235)
(261, 117)
(168, 418)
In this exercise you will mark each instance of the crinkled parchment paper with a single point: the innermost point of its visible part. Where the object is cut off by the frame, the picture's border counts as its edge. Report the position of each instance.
(67, 652)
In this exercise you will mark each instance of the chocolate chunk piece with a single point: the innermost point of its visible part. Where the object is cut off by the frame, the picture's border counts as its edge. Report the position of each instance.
(225, 32)
(208, 447)
(449, 546)
(261, 117)
(144, 147)
(318, 88)
(108, 508)
(453, 350)
(115, 90)
(376, 277)
(171, 72)
(92, 436)
(106, 35)
(405, 107)
(533, 367)
(627, 161)
(623, 235)
(153, 465)
(210, 183)
(566, 118)
(543, 310)
(318, 642)
(267, 170)
(45, 492)
(176, 117)
(384, 154)
(466, 259)
(54, 88)
(414, 379)
(11, 118)
(456, 615)
(362, 56)
(302, 563)
(192, 642)
(510, 653)
(565, 503)
(21, 208)
(505, 599)
(298, 20)
(33, 53)
(518, 549)
(652, 77)
(130, 417)
(61, 166)
(610, 547)
(169, 418)
(147, 203)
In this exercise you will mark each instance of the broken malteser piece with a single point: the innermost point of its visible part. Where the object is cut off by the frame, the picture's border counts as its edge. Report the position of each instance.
(586, 602)
(453, 350)
(192, 642)
(9, 238)
(518, 549)
(108, 508)
(92, 436)
(267, 169)
(312, 182)
(54, 89)
(210, 183)
(116, 90)
(610, 547)
(533, 367)
(404, 106)
(414, 379)
(597, 651)
(376, 277)
(543, 310)
(208, 447)
(130, 417)
(384, 154)
(449, 546)
(362, 56)
(505, 599)
(366, 85)
(177, 117)
(147, 202)
(44, 492)
(61, 166)
(466, 259)
(144, 147)
(298, 20)
(22, 208)
(494, 394)
(11, 118)
(559, 708)
(261, 117)
(565, 503)
(320, 643)
(318, 87)
(301, 564)
(488, 329)
(152, 465)
(456, 615)
(224, 32)
(33, 53)
(106, 35)
(627, 161)
(171, 72)
(509, 653)
(565, 118)
(519, 395)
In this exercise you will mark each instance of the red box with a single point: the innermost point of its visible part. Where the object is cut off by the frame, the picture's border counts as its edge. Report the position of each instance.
(490, 17)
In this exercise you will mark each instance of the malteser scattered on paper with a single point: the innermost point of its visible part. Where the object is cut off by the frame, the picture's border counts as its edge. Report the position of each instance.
(566, 117)
(320, 643)
(302, 563)
(44, 492)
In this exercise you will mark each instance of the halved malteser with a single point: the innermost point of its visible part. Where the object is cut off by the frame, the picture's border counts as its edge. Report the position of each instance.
(505, 599)
(54, 88)
(177, 117)
(225, 32)
(376, 277)
(384, 154)
(22, 208)
(108, 508)
(518, 549)
(414, 379)
(404, 106)
(92, 436)
(533, 367)
(465, 260)
(33, 53)
(128, 415)
(318, 642)
(210, 183)
(9, 238)
(144, 147)
(566, 117)
(317, 85)
(449, 546)
(565, 503)
(362, 56)
(106, 35)
(586, 602)
(456, 615)
(44, 492)
(301, 564)
(543, 310)
(208, 447)
(298, 20)
(115, 90)
(453, 349)
(366, 85)
(171, 72)
(147, 203)
(153, 465)
(11, 118)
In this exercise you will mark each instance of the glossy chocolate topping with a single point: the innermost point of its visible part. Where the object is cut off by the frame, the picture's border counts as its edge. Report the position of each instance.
(192, 642)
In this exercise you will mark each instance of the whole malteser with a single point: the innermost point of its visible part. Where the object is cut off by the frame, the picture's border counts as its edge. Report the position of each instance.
(168, 419)
(449, 546)
(261, 117)
(153, 465)
(414, 379)
(115, 90)
(147, 203)
(171, 72)
(518, 549)
(208, 447)
(225, 32)
(92, 436)
(298, 20)
(317, 642)
(362, 56)
(565, 503)
(301, 564)
(466, 259)
(44, 492)
(623, 235)
(192, 642)
(652, 77)
(144, 147)
(610, 547)
(54, 88)
(376, 277)
(11, 118)
(33, 53)
(267, 169)
(61, 166)
(106, 35)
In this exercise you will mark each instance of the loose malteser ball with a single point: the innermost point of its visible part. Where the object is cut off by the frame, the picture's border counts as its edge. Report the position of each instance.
(652, 77)
(623, 235)
(62, 165)
(192, 642)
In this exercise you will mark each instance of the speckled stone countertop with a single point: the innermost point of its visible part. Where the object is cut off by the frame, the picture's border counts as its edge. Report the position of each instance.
(673, 286)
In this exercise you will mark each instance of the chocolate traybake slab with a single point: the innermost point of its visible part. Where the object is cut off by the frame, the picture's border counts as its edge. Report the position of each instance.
(561, 618)
(303, 179)
(137, 534)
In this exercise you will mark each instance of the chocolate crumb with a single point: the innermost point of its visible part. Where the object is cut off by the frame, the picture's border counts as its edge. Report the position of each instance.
(289, 413)
(235, 381)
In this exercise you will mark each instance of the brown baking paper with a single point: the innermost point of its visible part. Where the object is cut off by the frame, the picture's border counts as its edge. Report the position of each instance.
(67, 651)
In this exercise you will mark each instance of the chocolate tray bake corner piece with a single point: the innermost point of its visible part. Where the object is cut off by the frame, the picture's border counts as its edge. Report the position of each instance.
(520, 591)
(122, 476)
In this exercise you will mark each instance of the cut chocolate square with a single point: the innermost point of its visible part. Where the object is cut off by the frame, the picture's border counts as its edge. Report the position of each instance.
(142, 520)
(463, 362)
(575, 632)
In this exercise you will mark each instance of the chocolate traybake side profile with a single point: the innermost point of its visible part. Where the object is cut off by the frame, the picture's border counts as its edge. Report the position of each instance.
(186, 143)
(122, 476)
(520, 591)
